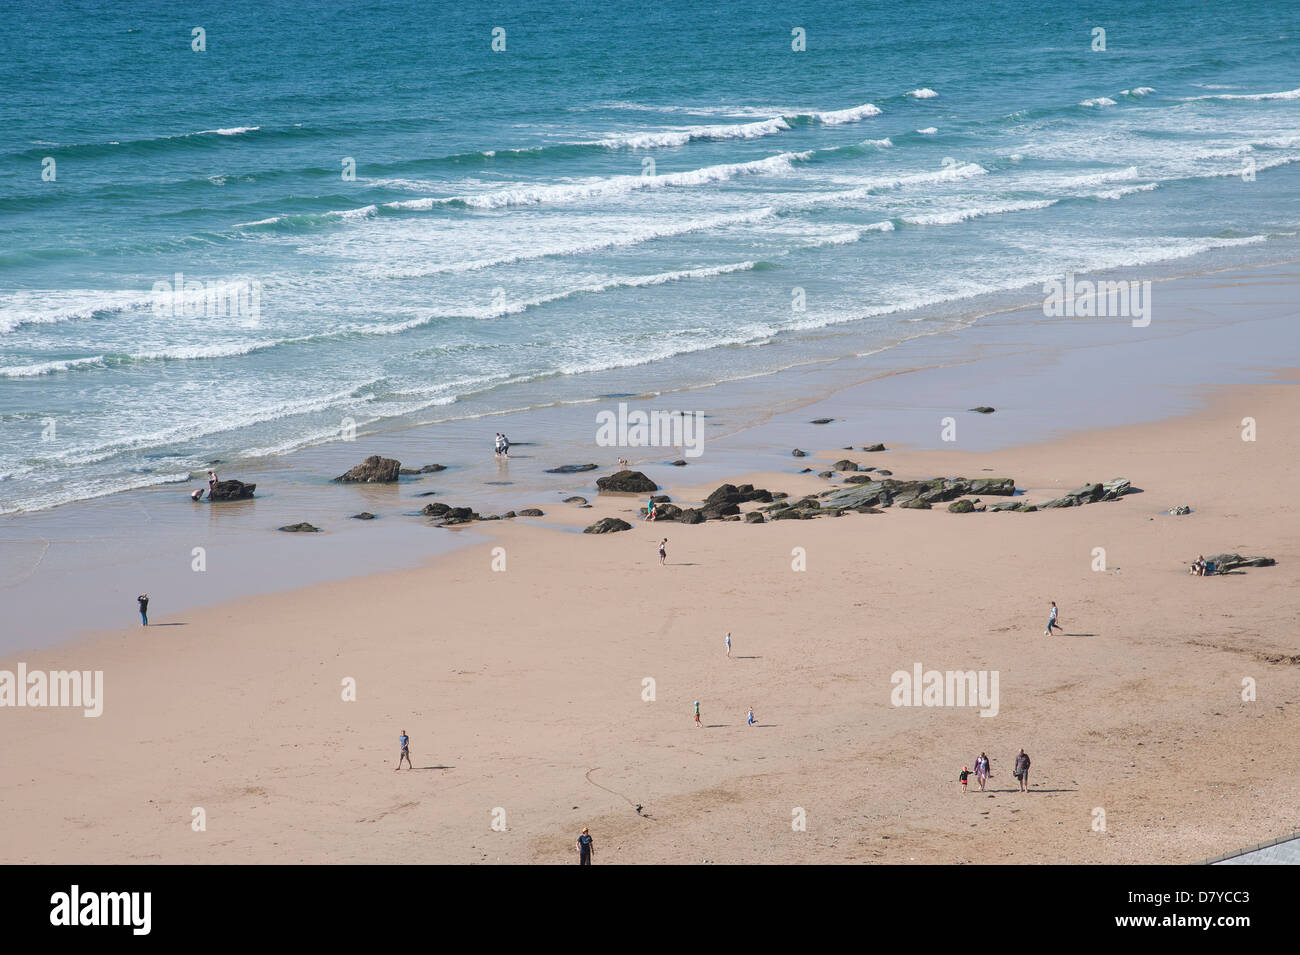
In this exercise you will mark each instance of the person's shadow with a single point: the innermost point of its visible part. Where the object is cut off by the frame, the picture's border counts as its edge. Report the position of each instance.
(419, 769)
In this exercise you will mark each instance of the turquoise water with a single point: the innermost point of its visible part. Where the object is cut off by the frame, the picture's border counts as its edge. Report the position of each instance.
(659, 189)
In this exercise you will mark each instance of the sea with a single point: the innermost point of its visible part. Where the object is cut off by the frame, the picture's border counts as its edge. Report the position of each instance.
(233, 231)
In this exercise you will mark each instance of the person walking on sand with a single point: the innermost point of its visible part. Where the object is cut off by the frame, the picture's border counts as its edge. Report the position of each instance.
(728, 645)
(1051, 622)
(749, 720)
(1021, 772)
(405, 753)
(650, 509)
(963, 776)
(143, 601)
(663, 552)
(697, 714)
(981, 770)
(585, 847)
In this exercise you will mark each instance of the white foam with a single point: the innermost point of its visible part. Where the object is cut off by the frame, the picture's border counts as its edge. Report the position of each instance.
(852, 115)
(680, 137)
(1137, 91)
(1125, 191)
(231, 131)
(879, 143)
(928, 131)
(954, 216)
(612, 186)
(923, 93)
(1098, 101)
(49, 367)
(1284, 95)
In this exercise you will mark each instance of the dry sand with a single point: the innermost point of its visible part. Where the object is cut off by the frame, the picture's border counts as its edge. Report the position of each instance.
(522, 689)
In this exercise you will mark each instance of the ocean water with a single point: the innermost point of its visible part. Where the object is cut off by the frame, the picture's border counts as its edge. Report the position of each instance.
(416, 227)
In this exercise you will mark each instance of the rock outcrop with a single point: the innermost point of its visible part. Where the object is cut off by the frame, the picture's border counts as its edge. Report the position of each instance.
(373, 470)
(571, 468)
(1226, 562)
(302, 527)
(632, 482)
(608, 525)
(231, 491)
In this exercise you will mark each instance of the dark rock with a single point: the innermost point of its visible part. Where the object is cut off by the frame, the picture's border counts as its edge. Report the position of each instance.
(679, 463)
(608, 525)
(845, 465)
(531, 512)
(1007, 506)
(489, 517)
(825, 474)
(373, 470)
(660, 498)
(690, 515)
(571, 468)
(632, 482)
(575, 500)
(461, 514)
(917, 504)
(789, 514)
(437, 509)
(799, 454)
(407, 471)
(754, 517)
(508, 514)
(426, 494)
(995, 487)
(231, 491)
(881, 472)
(1026, 508)
(805, 471)
(301, 527)
(822, 421)
(363, 516)
(432, 468)
(715, 511)
(858, 479)
(779, 495)
(874, 447)
(961, 507)
(983, 409)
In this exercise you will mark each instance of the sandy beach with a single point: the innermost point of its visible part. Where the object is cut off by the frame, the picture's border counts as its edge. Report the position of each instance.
(523, 689)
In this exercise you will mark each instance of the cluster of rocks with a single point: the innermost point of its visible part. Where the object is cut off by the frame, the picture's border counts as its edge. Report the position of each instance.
(722, 504)
(1091, 493)
(379, 470)
(914, 494)
(444, 515)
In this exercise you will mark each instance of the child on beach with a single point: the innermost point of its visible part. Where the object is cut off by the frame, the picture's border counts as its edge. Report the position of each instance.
(663, 551)
(406, 752)
(750, 719)
(728, 644)
(143, 601)
(1051, 622)
(585, 849)
(650, 509)
(963, 776)
(697, 714)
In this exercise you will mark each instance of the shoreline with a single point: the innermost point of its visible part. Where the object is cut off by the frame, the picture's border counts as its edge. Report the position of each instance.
(1035, 370)
(248, 690)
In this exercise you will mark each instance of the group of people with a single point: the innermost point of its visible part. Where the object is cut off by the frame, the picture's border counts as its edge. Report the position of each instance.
(983, 770)
(502, 445)
(212, 483)
(1199, 567)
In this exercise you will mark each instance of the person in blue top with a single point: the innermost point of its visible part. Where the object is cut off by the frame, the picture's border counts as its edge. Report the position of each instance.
(406, 752)
(585, 848)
